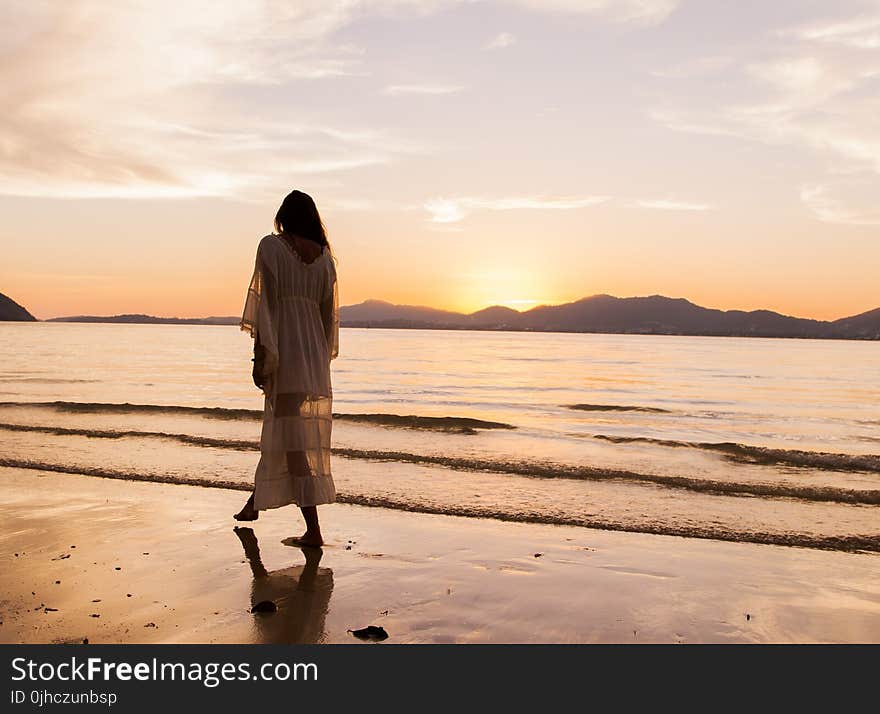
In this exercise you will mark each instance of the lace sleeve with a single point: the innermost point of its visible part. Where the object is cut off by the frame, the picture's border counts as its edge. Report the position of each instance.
(258, 317)
(330, 311)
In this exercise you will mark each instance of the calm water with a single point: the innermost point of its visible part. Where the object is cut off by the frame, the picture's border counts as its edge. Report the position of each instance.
(773, 441)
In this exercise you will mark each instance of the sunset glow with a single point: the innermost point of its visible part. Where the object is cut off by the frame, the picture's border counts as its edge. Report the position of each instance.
(463, 154)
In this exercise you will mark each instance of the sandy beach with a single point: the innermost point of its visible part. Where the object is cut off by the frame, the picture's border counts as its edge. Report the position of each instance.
(110, 561)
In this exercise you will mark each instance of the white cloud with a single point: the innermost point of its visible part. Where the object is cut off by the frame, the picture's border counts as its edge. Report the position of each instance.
(198, 98)
(665, 205)
(444, 210)
(646, 12)
(452, 210)
(394, 90)
(500, 41)
(860, 33)
(859, 208)
(698, 67)
(128, 99)
(814, 90)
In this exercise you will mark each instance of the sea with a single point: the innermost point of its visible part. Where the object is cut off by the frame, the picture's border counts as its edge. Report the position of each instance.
(769, 441)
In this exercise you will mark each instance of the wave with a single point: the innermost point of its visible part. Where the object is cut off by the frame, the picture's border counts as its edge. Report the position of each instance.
(763, 455)
(530, 469)
(236, 444)
(850, 543)
(458, 425)
(126, 408)
(464, 425)
(616, 408)
(48, 380)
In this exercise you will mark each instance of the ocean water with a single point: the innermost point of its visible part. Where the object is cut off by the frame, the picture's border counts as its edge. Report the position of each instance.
(761, 440)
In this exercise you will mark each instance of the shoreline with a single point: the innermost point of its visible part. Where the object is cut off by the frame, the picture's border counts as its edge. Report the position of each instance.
(162, 563)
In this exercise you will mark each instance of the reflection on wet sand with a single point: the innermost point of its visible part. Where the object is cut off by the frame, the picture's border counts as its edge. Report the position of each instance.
(301, 593)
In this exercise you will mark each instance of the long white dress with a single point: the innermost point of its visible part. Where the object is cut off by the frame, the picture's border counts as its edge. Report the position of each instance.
(292, 308)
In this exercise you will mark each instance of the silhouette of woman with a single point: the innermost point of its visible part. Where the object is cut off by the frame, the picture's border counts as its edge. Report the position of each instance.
(291, 311)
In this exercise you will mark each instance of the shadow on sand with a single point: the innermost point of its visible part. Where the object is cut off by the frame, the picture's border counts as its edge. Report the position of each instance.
(301, 594)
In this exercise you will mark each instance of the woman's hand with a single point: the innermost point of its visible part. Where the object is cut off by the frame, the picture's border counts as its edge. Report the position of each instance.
(259, 361)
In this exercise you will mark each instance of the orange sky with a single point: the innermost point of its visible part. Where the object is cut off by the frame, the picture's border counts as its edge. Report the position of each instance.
(462, 154)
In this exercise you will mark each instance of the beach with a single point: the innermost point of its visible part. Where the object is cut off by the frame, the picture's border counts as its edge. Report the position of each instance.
(164, 563)
(491, 488)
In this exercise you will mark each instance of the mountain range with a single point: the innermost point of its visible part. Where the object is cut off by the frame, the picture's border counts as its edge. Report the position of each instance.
(654, 315)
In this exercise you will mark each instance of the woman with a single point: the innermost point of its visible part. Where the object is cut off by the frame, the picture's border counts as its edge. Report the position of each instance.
(291, 311)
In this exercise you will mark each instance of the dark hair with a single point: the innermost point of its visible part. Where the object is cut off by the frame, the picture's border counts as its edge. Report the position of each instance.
(299, 216)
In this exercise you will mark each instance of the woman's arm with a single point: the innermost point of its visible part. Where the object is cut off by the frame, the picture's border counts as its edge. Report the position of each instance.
(330, 313)
(258, 318)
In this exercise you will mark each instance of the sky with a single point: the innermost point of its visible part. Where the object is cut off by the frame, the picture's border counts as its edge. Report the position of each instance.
(463, 153)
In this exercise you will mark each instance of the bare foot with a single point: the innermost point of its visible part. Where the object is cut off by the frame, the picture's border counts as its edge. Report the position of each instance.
(306, 540)
(247, 513)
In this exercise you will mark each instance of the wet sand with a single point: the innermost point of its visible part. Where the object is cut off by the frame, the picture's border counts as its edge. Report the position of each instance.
(112, 561)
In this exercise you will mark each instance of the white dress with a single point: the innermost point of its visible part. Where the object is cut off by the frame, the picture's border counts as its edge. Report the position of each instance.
(292, 308)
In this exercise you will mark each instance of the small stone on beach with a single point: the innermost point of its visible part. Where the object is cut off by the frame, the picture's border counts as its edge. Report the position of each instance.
(371, 633)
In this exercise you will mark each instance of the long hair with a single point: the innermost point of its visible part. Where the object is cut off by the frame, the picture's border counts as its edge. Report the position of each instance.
(299, 216)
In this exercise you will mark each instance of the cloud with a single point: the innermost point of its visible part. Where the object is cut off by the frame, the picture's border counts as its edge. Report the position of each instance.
(645, 12)
(200, 98)
(452, 210)
(814, 90)
(860, 32)
(500, 41)
(664, 205)
(698, 67)
(444, 210)
(169, 99)
(858, 209)
(394, 90)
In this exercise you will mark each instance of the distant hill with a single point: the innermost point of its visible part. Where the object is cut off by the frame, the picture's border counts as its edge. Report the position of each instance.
(11, 311)
(150, 320)
(654, 315)
(865, 326)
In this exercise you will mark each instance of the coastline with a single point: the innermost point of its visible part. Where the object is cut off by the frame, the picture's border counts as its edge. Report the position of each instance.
(162, 563)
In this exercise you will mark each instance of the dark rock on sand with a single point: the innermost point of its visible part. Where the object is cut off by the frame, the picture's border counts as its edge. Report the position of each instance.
(370, 633)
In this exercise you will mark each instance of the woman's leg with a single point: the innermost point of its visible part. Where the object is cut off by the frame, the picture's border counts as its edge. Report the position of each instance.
(312, 536)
